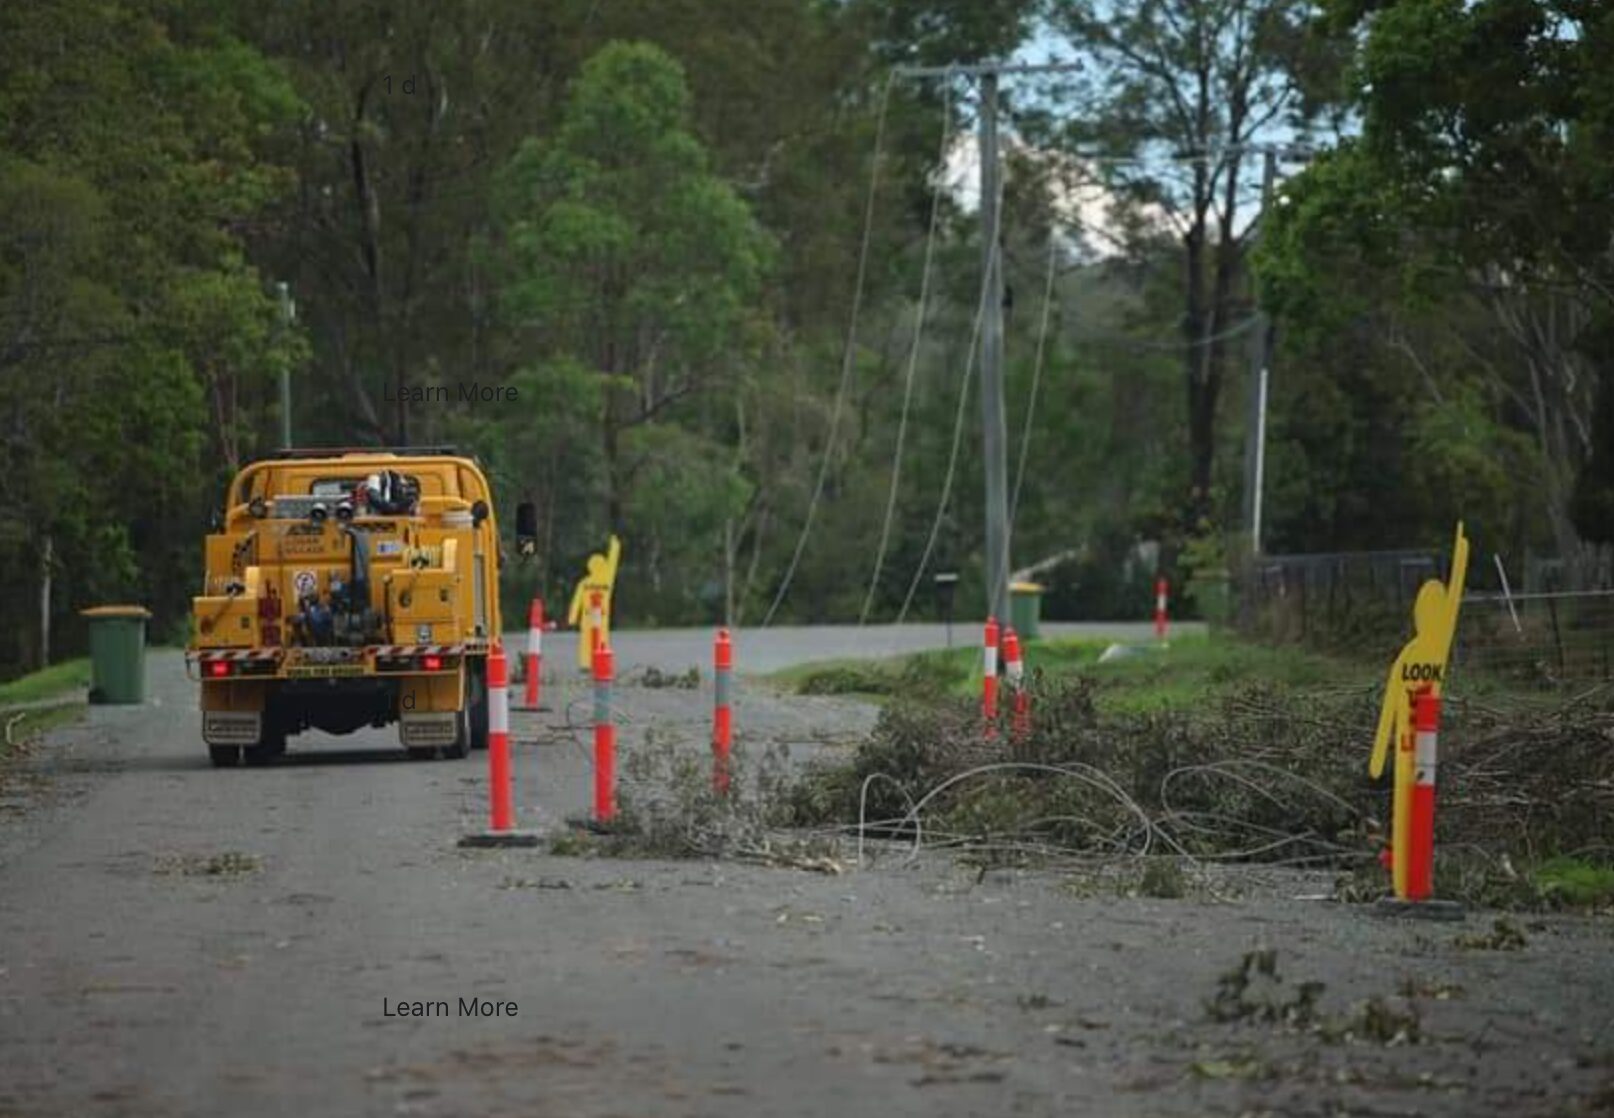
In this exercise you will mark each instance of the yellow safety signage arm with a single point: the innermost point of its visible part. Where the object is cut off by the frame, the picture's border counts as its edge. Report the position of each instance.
(1389, 722)
(1454, 593)
(575, 613)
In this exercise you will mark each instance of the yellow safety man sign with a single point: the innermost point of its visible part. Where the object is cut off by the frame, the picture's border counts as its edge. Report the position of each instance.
(1422, 662)
(591, 603)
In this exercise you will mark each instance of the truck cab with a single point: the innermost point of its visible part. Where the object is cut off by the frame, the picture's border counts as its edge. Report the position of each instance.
(347, 589)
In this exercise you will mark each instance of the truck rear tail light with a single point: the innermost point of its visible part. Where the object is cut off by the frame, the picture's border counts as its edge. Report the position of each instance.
(217, 669)
(421, 662)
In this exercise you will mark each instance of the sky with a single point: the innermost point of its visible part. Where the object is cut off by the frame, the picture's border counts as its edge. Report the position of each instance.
(1086, 206)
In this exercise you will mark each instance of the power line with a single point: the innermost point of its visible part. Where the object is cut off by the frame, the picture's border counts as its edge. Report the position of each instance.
(848, 358)
(1120, 341)
(952, 458)
(913, 356)
(1036, 380)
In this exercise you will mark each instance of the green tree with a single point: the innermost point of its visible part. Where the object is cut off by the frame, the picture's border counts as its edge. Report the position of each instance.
(622, 254)
(1465, 233)
(133, 336)
(1180, 86)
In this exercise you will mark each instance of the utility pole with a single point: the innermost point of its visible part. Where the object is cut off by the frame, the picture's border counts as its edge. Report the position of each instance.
(288, 312)
(994, 432)
(1255, 430)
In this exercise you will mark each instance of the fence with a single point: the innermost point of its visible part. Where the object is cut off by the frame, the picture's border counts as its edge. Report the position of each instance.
(1332, 600)
(1361, 602)
(1545, 639)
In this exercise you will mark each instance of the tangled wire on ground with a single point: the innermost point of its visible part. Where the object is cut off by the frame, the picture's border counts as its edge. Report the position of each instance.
(1222, 784)
(1262, 775)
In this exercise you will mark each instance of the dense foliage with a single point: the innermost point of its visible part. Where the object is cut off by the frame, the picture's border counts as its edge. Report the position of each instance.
(649, 219)
(1444, 283)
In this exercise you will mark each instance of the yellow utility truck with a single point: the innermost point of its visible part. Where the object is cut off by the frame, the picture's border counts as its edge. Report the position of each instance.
(347, 589)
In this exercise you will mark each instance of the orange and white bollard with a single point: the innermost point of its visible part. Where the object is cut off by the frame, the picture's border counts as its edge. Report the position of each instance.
(596, 617)
(604, 736)
(1414, 809)
(1014, 674)
(501, 807)
(722, 711)
(535, 653)
(989, 678)
(1421, 834)
(499, 791)
(1161, 587)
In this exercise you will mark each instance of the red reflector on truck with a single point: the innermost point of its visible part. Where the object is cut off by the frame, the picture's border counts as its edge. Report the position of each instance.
(431, 663)
(217, 668)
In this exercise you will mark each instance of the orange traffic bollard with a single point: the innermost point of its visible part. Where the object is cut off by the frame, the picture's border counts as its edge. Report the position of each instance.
(499, 792)
(604, 736)
(501, 807)
(1421, 839)
(596, 618)
(1414, 893)
(1014, 673)
(989, 678)
(535, 652)
(722, 712)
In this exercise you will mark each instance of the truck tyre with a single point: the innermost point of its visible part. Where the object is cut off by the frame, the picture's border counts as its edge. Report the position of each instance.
(462, 735)
(271, 744)
(224, 756)
(477, 687)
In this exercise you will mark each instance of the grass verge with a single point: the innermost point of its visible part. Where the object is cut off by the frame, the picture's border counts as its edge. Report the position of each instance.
(1187, 673)
(58, 679)
(1236, 755)
(1576, 881)
(1161, 765)
(20, 726)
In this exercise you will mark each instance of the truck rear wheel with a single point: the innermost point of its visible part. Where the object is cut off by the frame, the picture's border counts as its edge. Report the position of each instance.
(462, 735)
(477, 700)
(271, 744)
(459, 747)
(224, 756)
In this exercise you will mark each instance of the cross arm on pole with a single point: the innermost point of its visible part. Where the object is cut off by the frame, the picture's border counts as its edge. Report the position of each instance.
(976, 69)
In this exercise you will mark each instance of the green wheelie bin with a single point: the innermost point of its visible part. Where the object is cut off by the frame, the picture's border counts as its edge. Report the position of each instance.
(1025, 609)
(117, 653)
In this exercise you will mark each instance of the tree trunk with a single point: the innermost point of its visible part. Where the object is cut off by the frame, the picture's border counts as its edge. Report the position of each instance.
(1214, 347)
(1559, 406)
(757, 534)
(1201, 388)
(611, 445)
(728, 571)
(369, 202)
(45, 558)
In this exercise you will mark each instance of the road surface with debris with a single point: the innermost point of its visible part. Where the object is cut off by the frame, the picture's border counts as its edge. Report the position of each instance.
(180, 940)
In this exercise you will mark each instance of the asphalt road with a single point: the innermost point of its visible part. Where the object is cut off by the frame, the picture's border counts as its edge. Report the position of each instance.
(178, 940)
(768, 650)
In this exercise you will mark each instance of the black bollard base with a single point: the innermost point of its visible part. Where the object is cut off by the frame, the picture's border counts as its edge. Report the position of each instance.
(488, 839)
(1419, 910)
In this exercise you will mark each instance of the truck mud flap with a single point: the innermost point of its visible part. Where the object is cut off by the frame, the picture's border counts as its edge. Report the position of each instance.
(231, 727)
(424, 729)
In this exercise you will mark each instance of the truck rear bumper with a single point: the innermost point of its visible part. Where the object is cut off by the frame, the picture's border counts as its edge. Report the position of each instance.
(231, 727)
(428, 728)
(330, 663)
